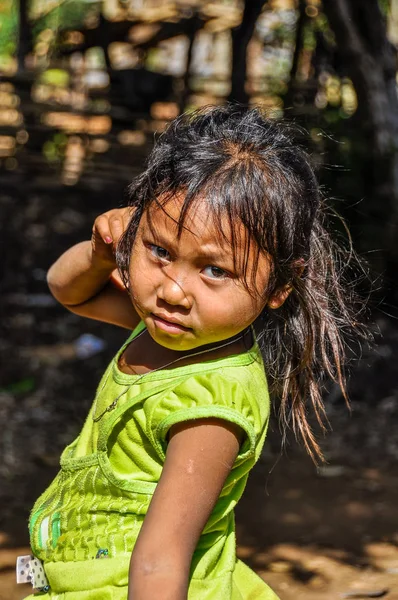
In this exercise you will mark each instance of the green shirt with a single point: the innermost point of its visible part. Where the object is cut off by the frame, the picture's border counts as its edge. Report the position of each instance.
(101, 495)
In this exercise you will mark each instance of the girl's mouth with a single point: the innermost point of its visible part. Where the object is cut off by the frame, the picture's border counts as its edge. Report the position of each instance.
(172, 327)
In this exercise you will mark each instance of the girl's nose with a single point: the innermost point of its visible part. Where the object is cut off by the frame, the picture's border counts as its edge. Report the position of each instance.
(173, 291)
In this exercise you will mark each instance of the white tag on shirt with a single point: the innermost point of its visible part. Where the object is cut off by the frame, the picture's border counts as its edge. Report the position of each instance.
(30, 570)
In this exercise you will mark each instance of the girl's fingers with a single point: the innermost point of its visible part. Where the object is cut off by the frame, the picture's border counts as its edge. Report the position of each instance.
(118, 222)
(111, 225)
(116, 227)
(102, 228)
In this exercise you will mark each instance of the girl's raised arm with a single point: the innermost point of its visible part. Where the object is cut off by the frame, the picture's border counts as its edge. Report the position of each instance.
(85, 279)
(199, 458)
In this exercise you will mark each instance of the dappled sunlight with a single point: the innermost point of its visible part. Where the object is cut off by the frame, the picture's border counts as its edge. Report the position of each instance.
(316, 573)
(318, 534)
(74, 160)
(7, 145)
(82, 85)
(73, 123)
(99, 145)
(10, 114)
(131, 138)
(9, 117)
(123, 56)
(164, 110)
(8, 65)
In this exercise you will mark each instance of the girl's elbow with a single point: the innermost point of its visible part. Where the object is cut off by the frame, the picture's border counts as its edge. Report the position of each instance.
(159, 563)
(157, 577)
(59, 292)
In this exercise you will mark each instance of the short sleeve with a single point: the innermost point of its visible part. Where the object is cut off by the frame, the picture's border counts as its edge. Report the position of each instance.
(202, 396)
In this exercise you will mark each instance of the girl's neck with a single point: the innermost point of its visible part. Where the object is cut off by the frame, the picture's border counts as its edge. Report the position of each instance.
(143, 355)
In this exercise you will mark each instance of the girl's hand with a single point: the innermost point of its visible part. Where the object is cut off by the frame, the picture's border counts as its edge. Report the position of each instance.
(85, 279)
(107, 231)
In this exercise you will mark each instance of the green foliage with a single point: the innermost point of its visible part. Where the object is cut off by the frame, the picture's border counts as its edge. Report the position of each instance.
(282, 35)
(309, 40)
(321, 24)
(20, 387)
(8, 28)
(57, 77)
(70, 14)
(385, 6)
(50, 151)
(54, 148)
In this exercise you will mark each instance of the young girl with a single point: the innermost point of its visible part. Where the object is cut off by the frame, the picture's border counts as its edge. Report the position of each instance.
(222, 244)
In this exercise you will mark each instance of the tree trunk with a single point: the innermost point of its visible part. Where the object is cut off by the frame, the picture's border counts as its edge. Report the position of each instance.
(361, 38)
(302, 18)
(24, 35)
(241, 37)
(360, 31)
(105, 37)
(194, 27)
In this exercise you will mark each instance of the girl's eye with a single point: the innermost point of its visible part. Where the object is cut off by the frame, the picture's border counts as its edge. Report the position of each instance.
(215, 272)
(159, 252)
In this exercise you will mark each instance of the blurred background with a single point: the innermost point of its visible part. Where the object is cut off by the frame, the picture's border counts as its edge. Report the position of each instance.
(85, 87)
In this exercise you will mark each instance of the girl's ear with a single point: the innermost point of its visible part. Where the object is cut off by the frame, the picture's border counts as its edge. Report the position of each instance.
(278, 297)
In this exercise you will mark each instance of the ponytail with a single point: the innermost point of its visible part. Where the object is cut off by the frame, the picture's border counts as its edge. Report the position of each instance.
(306, 341)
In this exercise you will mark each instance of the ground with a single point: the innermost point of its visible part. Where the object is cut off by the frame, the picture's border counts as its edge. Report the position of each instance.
(311, 533)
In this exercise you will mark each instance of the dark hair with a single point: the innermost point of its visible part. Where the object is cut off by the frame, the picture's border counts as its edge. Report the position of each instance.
(252, 169)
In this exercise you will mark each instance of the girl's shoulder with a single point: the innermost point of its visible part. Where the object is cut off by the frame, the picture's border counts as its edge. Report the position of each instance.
(233, 389)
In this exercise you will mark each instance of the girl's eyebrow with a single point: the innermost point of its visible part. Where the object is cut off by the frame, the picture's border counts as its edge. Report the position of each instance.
(208, 251)
(214, 251)
(159, 239)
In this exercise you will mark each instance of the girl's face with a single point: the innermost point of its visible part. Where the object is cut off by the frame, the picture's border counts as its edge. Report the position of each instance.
(186, 289)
